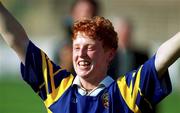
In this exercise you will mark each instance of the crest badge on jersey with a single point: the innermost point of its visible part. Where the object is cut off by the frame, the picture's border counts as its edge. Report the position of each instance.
(105, 100)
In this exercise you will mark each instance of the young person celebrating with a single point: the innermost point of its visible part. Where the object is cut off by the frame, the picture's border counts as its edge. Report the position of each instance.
(92, 90)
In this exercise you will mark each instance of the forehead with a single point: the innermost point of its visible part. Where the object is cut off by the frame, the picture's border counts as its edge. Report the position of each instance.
(81, 38)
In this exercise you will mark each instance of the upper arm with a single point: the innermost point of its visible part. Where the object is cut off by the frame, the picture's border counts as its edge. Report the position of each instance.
(20, 49)
(167, 54)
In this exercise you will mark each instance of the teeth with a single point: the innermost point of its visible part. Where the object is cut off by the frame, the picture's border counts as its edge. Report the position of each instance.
(86, 63)
(83, 63)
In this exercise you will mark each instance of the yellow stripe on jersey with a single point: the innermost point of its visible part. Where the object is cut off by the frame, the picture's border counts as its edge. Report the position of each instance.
(51, 75)
(129, 94)
(44, 70)
(57, 71)
(56, 92)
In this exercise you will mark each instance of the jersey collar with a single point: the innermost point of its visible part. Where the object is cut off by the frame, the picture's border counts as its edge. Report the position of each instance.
(105, 82)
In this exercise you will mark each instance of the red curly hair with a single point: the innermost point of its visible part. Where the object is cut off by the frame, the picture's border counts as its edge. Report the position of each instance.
(97, 28)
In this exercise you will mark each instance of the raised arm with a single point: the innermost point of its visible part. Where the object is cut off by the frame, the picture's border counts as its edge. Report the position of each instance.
(167, 54)
(13, 33)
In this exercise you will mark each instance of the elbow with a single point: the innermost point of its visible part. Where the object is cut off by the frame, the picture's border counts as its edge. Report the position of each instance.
(17, 43)
(11, 40)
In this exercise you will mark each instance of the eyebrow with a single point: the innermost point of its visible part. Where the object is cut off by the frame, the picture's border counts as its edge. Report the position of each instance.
(85, 44)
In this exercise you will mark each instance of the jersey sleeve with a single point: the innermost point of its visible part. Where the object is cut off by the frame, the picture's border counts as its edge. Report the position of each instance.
(142, 87)
(47, 79)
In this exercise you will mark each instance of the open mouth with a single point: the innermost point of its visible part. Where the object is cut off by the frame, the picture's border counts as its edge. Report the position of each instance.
(84, 64)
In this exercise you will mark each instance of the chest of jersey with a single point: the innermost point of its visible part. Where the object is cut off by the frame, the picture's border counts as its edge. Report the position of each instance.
(107, 101)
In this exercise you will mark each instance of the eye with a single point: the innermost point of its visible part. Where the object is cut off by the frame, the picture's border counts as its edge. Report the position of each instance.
(76, 48)
(91, 48)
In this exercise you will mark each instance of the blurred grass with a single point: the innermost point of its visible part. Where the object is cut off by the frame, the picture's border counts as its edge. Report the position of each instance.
(17, 97)
(171, 104)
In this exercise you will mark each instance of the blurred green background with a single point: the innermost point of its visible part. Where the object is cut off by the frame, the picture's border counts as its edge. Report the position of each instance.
(17, 97)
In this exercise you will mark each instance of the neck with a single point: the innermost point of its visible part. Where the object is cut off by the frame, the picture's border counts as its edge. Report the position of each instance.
(91, 83)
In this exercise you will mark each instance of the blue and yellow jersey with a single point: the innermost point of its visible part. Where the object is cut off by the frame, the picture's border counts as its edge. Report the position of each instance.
(135, 92)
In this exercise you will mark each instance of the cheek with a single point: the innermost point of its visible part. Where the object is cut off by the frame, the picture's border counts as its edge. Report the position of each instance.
(96, 58)
(92, 55)
(102, 59)
(74, 56)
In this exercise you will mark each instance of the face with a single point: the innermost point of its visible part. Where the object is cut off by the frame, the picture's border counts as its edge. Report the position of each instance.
(90, 60)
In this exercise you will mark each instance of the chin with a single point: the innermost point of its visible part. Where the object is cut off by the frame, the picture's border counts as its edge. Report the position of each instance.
(83, 74)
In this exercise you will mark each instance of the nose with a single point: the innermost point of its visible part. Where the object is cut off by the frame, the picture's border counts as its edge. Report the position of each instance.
(82, 52)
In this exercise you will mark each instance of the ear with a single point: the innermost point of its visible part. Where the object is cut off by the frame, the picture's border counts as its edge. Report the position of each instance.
(111, 54)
